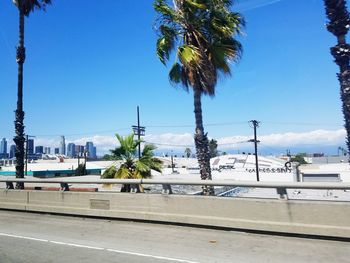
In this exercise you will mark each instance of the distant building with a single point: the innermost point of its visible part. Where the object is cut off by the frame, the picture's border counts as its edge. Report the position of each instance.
(71, 150)
(94, 153)
(47, 150)
(3, 146)
(39, 150)
(57, 150)
(91, 150)
(79, 150)
(4, 156)
(63, 146)
(12, 151)
(89, 147)
(30, 146)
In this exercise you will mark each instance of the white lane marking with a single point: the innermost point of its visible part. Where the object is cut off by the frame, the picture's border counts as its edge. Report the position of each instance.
(151, 256)
(22, 237)
(99, 248)
(76, 245)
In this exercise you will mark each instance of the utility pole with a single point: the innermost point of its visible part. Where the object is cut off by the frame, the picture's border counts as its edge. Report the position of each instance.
(255, 124)
(172, 162)
(27, 140)
(85, 158)
(288, 154)
(139, 131)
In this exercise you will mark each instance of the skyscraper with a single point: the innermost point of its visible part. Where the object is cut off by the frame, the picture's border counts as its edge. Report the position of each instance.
(30, 146)
(71, 150)
(90, 149)
(12, 151)
(3, 146)
(79, 149)
(57, 150)
(63, 145)
(94, 154)
(47, 150)
(39, 150)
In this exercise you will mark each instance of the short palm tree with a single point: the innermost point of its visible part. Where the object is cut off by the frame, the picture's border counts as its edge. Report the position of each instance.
(338, 25)
(202, 34)
(25, 7)
(188, 152)
(132, 167)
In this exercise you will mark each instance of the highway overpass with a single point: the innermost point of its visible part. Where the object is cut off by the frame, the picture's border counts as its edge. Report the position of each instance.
(42, 238)
(37, 225)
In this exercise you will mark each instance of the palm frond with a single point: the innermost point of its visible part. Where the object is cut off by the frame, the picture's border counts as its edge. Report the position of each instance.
(110, 173)
(221, 53)
(205, 31)
(175, 73)
(132, 167)
(201, 4)
(28, 6)
(188, 55)
(165, 10)
(164, 47)
(123, 173)
(156, 165)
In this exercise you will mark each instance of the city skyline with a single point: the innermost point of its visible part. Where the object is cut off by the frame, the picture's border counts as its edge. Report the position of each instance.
(282, 80)
(34, 149)
(275, 144)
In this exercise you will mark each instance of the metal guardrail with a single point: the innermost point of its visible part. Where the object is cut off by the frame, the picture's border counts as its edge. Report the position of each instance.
(233, 183)
(281, 187)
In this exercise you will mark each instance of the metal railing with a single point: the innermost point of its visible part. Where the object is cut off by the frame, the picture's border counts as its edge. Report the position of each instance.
(281, 187)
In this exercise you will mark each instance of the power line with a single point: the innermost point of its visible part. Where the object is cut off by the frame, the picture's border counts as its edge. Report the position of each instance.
(169, 144)
(304, 123)
(191, 145)
(89, 133)
(269, 147)
(191, 126)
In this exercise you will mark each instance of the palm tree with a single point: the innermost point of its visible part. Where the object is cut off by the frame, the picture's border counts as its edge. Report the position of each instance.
(25, 7)
(132, 167)
(202, 34)
(338, 25)
(188, 152)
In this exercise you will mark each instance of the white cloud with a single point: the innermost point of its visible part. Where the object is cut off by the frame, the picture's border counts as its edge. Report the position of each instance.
(316, 137)
(254, 4)
(47, 142)
(102, 143)
(181, 141)
(170, 140)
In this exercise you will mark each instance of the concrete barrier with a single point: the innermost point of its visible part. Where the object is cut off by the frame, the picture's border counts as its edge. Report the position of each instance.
(299, 217)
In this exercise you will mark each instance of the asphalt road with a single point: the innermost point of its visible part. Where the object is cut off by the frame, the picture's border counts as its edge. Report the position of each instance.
(43, 238)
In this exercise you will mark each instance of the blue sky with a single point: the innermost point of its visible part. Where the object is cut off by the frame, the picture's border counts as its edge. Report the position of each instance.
(90, 63)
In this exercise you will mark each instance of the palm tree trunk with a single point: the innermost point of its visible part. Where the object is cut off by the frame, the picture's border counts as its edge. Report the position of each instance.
(201, 143)
(339, 22)
(19, 127)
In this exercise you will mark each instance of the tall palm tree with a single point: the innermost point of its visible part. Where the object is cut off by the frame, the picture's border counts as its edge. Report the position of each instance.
(202, 34)
(132, 167)
(25, 7)
(338, 25)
